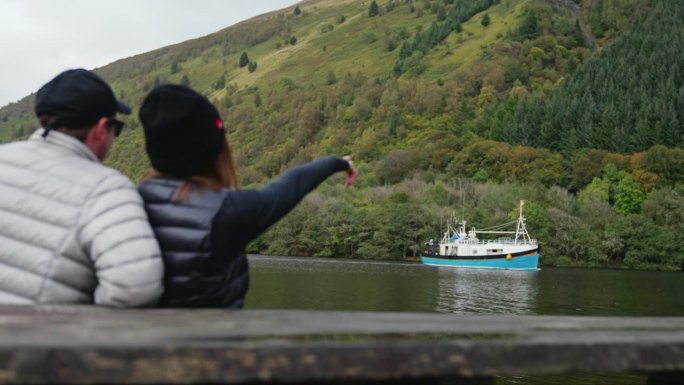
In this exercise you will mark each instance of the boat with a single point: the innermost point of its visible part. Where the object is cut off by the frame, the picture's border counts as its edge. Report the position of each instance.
(512, 250)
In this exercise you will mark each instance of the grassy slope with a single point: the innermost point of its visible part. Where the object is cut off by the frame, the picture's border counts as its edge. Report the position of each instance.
(344, 49)
(462, 50)
(357, 45)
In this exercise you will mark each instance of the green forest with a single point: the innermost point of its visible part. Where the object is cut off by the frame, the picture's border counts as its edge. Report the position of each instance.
(448, 107)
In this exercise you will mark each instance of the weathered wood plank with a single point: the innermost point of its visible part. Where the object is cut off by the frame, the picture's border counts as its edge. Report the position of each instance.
(70, 344)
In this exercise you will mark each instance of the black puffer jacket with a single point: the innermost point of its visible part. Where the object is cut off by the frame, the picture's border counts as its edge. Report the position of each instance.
(203, 239)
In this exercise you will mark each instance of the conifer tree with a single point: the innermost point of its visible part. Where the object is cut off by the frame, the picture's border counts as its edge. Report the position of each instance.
(419, 43)
(373, 9)
(596, 19)
(485, 20)
(405, 50)
(398, 68)
(252, 66)
(393, 123)
(529, 29)
(578, 35)
(297, 11)
(244, 59)
(441, 14)
(293, 40)
(332, 79)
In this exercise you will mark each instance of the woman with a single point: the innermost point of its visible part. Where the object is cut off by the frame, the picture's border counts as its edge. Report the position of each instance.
(201, 220)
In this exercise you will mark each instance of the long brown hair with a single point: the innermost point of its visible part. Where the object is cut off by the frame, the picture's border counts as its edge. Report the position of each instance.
(222, 175)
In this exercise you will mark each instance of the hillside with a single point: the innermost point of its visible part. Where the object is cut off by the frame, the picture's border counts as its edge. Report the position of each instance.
(438, 101)
(350, 83)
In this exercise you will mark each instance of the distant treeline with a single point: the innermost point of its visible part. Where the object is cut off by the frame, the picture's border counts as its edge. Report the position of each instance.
(608, 224)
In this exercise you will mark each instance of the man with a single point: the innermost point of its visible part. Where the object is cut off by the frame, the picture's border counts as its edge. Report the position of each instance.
(71, 229)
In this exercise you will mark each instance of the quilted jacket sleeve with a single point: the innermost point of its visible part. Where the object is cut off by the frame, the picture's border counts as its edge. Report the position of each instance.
(116, 234)
(253, 211)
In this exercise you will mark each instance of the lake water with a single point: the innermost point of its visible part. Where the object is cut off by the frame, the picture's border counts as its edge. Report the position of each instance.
(335, 284)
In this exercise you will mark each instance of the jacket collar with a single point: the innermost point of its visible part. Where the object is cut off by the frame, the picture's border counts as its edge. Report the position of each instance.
(66, 142)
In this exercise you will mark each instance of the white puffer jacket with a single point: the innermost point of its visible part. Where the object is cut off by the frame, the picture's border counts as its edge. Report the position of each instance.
(71, 229)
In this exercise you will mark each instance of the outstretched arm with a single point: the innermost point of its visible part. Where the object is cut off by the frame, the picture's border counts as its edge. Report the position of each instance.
(253, 211)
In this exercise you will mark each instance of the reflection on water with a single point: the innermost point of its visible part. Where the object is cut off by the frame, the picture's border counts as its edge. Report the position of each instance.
(486, 291)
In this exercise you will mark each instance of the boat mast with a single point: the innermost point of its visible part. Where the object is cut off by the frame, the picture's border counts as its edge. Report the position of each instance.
(521, 230)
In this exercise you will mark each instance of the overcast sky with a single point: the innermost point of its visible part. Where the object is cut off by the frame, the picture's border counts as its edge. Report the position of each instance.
(41, 38)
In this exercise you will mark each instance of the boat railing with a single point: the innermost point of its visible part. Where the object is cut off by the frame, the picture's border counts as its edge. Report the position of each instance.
(509, 241)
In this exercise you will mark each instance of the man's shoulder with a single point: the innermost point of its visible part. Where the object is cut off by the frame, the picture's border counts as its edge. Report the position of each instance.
(91, 173)
(44, 163)
(109, 178)
(10, 148)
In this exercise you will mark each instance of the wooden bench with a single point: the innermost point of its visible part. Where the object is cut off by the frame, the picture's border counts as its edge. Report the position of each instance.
(87, 344)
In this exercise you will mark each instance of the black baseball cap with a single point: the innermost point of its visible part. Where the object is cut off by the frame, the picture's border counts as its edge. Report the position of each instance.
(78, 98)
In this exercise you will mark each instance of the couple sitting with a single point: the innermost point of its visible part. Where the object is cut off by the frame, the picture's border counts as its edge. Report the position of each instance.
(75, 231)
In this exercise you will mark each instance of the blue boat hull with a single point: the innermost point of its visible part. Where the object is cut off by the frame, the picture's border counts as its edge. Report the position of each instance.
(523, 262)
